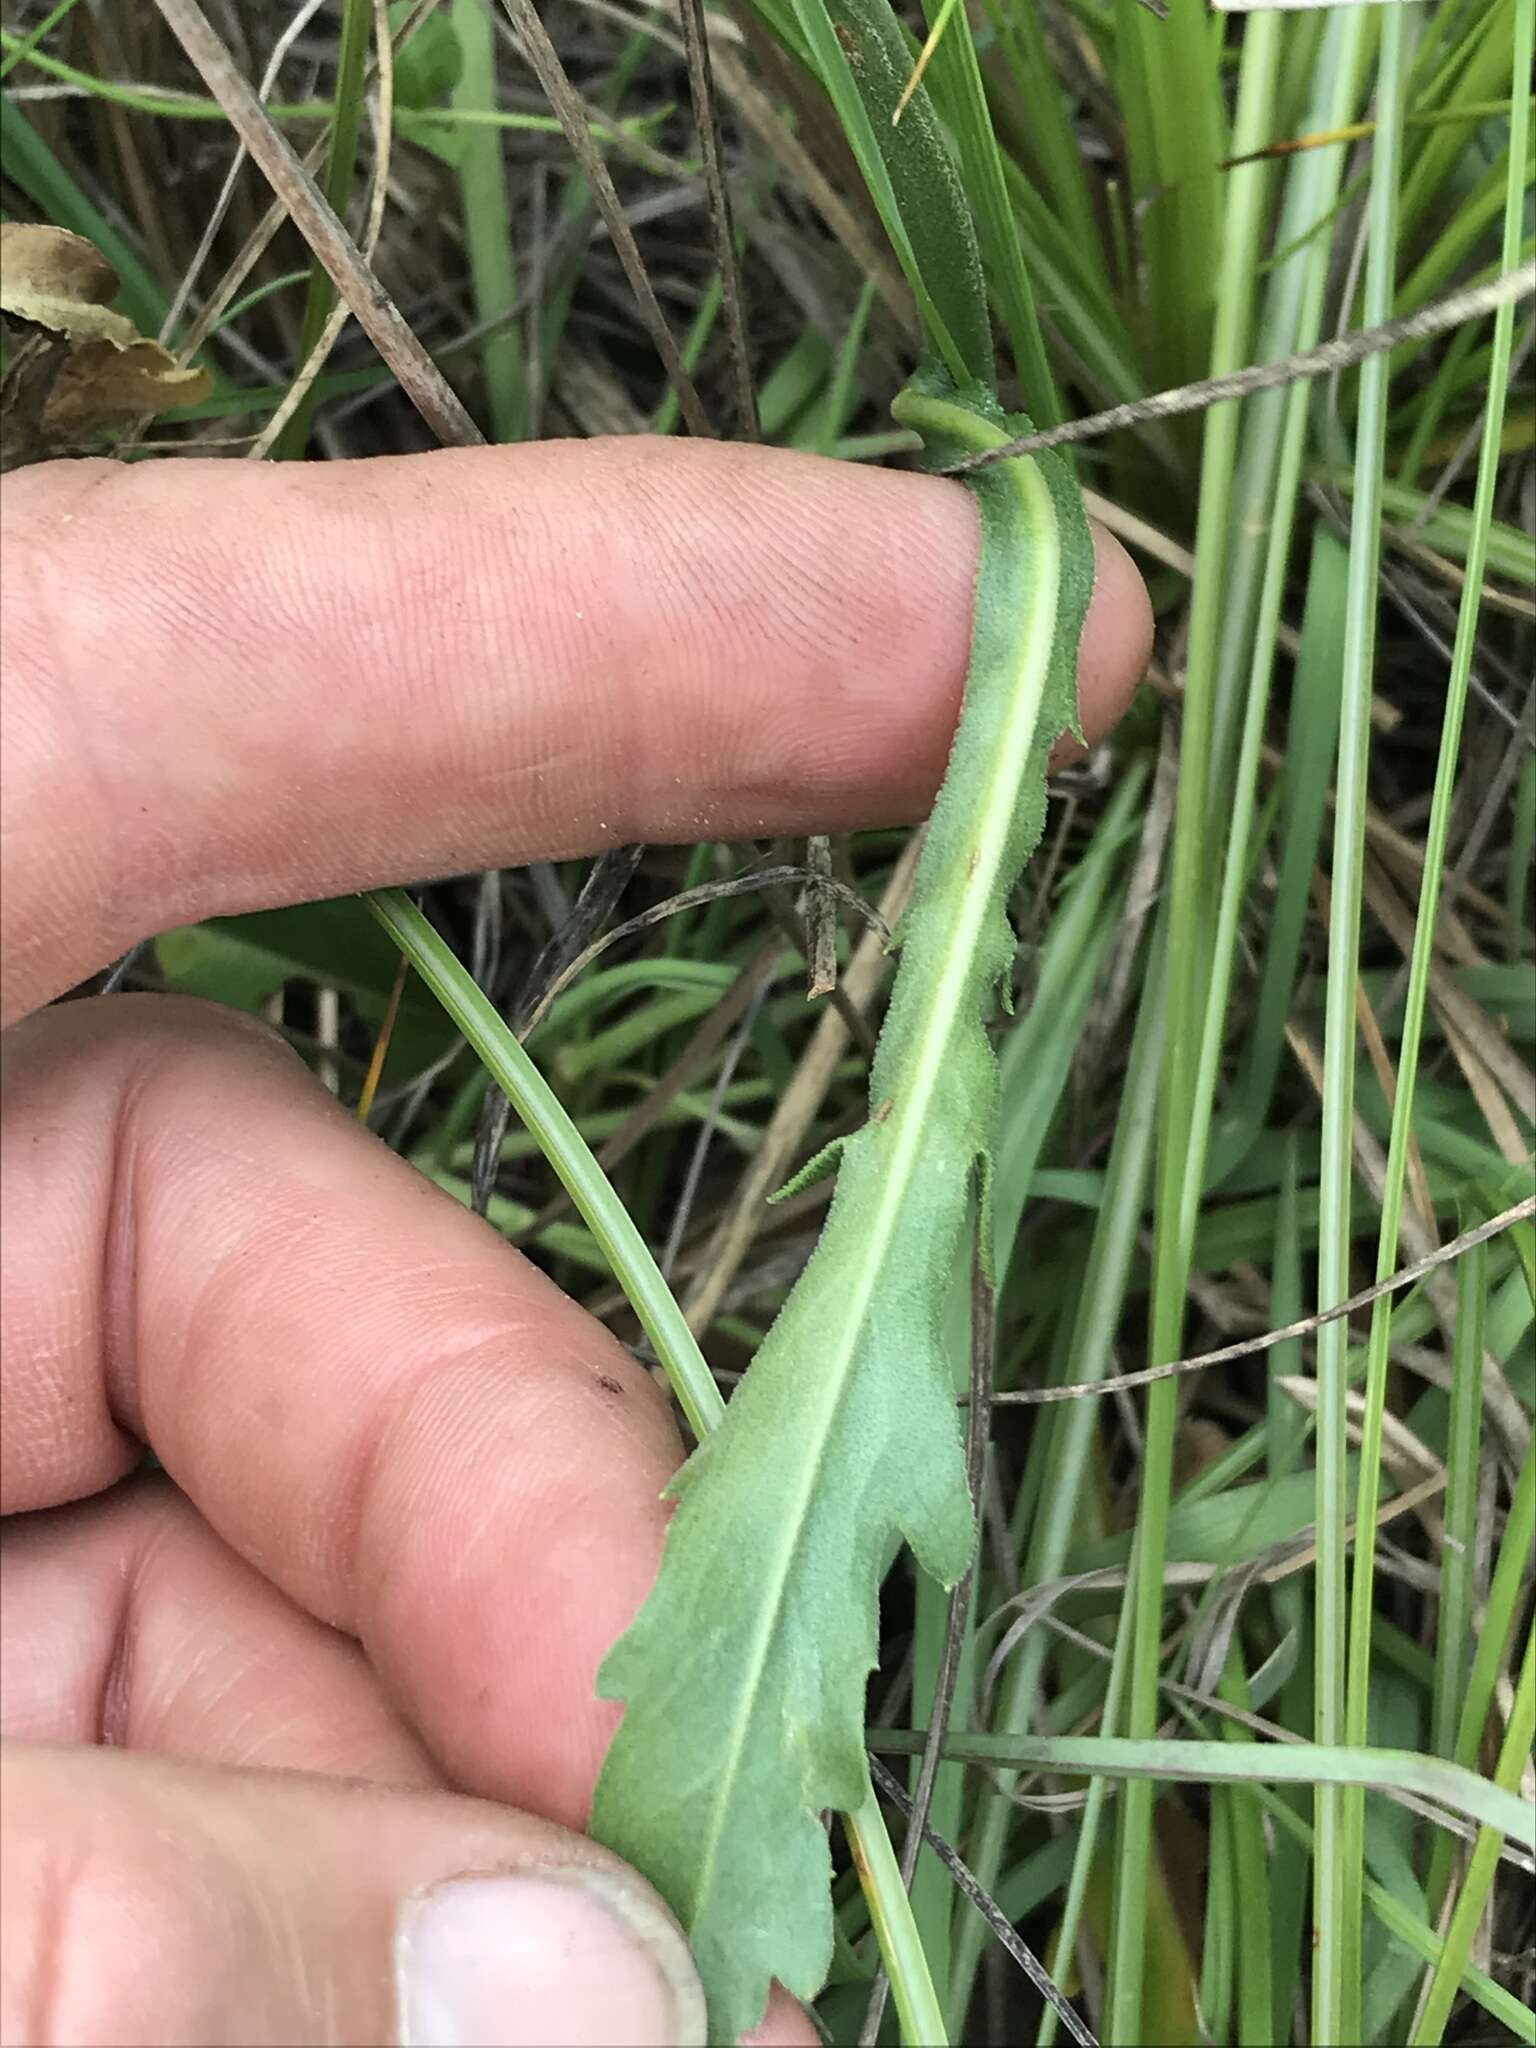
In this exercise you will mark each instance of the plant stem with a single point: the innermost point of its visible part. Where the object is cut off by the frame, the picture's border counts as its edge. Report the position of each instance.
(677, 1349)
(565, 1149)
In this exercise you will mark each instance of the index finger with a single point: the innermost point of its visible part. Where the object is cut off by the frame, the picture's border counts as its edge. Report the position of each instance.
(227, 686)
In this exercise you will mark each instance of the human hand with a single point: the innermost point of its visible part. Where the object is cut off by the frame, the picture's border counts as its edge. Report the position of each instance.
(304, 1730)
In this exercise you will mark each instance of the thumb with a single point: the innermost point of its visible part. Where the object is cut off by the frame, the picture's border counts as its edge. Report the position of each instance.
(144, 1900)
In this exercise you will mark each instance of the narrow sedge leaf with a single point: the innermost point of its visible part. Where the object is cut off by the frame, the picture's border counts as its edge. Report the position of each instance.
(745, 1673)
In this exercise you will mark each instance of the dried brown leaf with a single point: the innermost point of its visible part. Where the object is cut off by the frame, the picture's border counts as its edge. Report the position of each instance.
(78, 367)
(103, 385)
(54, 279)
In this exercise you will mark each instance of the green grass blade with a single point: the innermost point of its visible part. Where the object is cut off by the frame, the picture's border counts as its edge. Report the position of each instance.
(1073, 1429)
(482, 177)
(1339, 1814)
(1255, 1899)
(1091, 1829)
(1500, 1616)
(1410, 1933)
(1514, 1756)
(1311, 738)
(1453, 1622)
(906, 1961)
(840, 385)
(1264, 489)
(1458, 1791)
(1041, 127)
(1169, 80)
(1188, 1084)
(1436, 838)
(19, 48)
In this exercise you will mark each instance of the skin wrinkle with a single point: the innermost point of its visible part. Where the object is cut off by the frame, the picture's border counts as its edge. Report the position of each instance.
(466, 640)
(100, 1913)
(804, 589)
(117, 1313)
(79, 1908)
(333, 1519)
(56, 1645)
(377, 1537)
(155, 1556)
(417, 1522)
(114, 1689)
(357, 1485)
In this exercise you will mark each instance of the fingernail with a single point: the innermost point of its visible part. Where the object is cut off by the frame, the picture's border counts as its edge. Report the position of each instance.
(557, 1958)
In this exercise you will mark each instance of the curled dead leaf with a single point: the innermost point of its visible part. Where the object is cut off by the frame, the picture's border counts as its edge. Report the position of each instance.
(102, 385)
(77, 368)
(54, 279)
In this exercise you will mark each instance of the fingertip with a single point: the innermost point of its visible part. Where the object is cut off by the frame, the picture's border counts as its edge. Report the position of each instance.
(1115, 648)
(1117, 638)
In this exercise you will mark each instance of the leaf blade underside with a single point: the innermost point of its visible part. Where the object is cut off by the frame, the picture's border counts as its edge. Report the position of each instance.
(746, 1670)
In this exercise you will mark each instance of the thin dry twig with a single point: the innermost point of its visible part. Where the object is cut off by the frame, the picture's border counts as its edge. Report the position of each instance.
(821, 919)
(1326, 359)
(841, 212)
(383, 111)
(1082, 1389)
(804, 936)
(990, 1911)
(689, 899)
(1453, 1005)
(377, 314)
(565, 103)
(221, 205)
(703, 1138)
(706, 115)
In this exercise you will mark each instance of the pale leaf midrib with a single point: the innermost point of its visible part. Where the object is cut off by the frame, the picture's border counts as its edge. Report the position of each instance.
(906, 1134)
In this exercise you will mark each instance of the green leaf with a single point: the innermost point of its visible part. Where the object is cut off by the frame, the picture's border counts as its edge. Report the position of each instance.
(864, 58)
(198, 960)
(242, 961)
(334, 941)
(428, 67)
(745, 1672)
(432, 130)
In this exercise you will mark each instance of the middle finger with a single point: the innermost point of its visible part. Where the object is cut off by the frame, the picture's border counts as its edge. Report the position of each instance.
(401, 1423)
